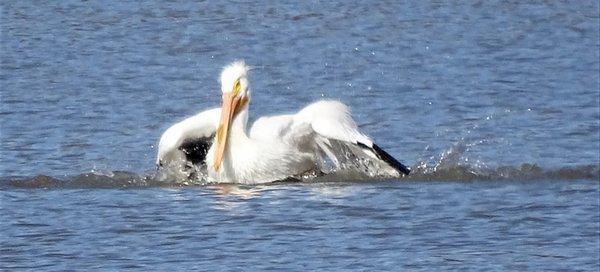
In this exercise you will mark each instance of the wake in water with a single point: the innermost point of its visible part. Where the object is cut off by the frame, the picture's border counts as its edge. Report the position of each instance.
(121, 179)
(447, 167)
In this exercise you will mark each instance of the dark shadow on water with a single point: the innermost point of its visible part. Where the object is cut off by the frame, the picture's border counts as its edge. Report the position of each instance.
(122, 179)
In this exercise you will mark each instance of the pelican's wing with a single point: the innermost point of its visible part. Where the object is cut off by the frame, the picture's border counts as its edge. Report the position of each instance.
(271, 127)
(327, 129)
(188, 140)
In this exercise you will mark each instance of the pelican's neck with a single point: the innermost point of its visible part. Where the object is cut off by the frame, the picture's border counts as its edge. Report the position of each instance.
(237, 139)
(238, 126)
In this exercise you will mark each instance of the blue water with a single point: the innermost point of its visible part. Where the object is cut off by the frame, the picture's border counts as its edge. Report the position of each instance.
(494, 105)
(381, 226)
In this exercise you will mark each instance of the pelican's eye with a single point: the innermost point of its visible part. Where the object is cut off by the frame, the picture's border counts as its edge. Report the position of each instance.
(236, 87)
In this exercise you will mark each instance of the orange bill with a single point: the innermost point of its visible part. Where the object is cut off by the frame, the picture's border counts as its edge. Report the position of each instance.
(230, 103)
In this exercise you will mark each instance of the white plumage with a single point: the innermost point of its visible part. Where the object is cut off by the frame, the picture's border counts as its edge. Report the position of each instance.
(216, 142)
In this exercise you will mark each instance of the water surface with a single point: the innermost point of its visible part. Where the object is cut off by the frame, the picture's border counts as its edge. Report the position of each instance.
(351, 226)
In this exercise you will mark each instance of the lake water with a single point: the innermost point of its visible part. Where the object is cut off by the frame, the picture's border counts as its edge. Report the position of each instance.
(494, 105)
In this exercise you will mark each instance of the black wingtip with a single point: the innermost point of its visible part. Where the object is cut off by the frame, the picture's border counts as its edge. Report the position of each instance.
(384, 156)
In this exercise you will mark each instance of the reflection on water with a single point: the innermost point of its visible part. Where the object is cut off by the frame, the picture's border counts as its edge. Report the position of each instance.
(232, 198)
(242, 192)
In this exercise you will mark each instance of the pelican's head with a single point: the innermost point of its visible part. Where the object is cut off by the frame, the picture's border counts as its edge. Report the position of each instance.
(234, 79)
(236, 95)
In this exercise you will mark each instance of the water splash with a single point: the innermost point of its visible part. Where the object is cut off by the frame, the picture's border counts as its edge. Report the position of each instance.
(451, 165)
(460, 173)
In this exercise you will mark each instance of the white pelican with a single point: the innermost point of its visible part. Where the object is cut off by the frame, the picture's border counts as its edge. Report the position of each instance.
(216, 142)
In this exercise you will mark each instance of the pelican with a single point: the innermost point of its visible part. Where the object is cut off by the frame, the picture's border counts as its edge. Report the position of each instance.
(216, 142)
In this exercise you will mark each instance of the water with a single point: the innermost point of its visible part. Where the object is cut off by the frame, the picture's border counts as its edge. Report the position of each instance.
(493, 104)
(352, 226)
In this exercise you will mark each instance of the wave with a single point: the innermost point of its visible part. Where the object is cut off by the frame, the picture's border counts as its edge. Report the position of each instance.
(460, 173)
(448, 166)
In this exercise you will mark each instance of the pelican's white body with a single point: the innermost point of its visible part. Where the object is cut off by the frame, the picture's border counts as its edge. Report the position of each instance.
(275, 148)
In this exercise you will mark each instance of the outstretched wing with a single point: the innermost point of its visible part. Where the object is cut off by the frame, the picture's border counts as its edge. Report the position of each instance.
(327, 129)
(188, 140)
